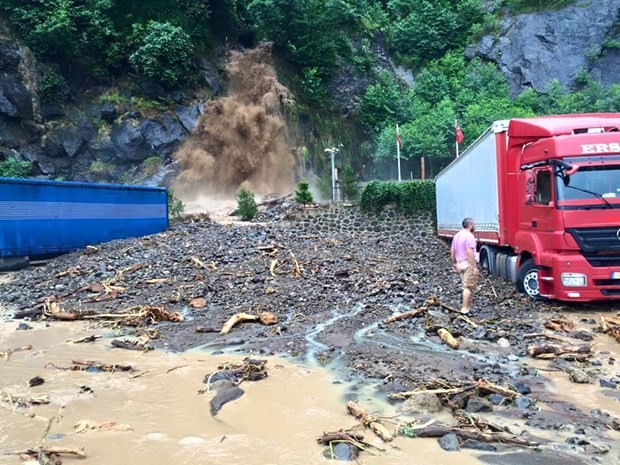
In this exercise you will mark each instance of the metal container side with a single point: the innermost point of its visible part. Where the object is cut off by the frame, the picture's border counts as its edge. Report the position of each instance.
(48, 217)
(468, 187)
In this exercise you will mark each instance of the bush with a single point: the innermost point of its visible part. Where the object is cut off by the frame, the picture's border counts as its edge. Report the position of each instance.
(176, 207)
(246, 205)
(410, 197)
(303, 194)
(14, 168)
(165, 54)
(101, 171)
(350, 190)
(53, 88)
(151, 165)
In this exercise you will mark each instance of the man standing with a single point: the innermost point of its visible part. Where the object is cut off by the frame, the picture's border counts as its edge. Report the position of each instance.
(463, 252)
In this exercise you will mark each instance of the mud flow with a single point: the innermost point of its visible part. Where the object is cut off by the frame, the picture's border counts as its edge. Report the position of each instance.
(156, 416)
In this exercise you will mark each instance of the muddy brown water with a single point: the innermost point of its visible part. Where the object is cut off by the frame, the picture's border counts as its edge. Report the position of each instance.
(277, 421)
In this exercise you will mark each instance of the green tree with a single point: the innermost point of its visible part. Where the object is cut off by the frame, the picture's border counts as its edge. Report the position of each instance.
(303, 194)
(350, 189)
(165, 54)
(246, 205)
(383, 103)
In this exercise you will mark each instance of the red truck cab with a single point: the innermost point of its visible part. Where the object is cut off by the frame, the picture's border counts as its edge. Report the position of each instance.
(545, 195)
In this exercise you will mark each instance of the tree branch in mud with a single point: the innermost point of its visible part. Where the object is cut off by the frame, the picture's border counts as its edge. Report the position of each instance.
(348, 437)
(611, 325)
(432, 301)
(445, 389)
(369, 421)
(80, 365)
(26, 401)
(7, 353)
(35, 451)
(448, 338)
(266, 318)
(547, 351)
(437, 431)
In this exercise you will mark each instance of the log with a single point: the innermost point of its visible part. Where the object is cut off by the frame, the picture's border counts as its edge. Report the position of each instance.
(24, 400)
(49, 450)
(448, 338)
(341, 436)
(439, 431)
(537, 350)
(235, 319)
(409, 314)
(369, 421)
(32, 313)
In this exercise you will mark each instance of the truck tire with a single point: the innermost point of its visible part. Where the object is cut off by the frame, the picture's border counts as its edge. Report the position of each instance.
(527, 279)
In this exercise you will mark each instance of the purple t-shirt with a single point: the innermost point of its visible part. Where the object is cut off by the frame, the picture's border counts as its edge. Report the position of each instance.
(462, 241)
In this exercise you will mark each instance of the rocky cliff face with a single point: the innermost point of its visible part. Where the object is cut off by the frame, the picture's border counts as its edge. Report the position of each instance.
(532, 49)
(65, 140)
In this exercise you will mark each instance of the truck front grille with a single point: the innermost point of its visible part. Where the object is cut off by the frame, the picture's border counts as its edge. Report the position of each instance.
(602, 260)
(597, 240)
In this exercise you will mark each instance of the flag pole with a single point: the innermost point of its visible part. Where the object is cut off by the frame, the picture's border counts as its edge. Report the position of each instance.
(456, 125)
(398, 151)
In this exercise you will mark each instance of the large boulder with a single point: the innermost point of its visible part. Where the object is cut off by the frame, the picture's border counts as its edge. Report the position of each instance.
(534, 48)
(423, 402)
(15, 98)
(163, 137)
(129, 142)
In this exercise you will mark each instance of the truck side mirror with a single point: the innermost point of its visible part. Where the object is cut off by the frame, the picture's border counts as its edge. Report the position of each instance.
(530, 188)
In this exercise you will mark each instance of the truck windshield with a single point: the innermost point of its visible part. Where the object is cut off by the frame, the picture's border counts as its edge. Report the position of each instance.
(591, 182)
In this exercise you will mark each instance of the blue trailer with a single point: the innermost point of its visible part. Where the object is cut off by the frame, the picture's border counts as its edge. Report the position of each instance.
(42, 218)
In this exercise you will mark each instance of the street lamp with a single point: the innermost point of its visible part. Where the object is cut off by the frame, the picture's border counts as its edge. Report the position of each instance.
(332, 152)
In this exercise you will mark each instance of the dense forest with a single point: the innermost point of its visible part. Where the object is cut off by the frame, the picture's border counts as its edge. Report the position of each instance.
(106, 42)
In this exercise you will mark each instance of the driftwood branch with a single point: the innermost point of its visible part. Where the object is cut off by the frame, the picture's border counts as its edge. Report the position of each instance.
(266, 318)
(448, 338)
(369, 421)
(437, 431)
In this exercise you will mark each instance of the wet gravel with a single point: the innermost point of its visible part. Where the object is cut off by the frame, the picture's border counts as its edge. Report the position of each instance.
(331, 295)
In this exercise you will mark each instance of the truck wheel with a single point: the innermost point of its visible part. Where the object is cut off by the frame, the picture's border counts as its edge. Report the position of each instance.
(527, 279)
(484, 261)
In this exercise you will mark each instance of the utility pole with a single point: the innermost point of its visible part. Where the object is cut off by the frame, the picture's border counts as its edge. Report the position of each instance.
(332, 152)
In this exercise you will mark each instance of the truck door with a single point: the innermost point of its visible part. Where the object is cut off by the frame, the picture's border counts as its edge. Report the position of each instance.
(540, 215)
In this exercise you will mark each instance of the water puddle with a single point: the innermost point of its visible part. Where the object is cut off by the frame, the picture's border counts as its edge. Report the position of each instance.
(277, 421)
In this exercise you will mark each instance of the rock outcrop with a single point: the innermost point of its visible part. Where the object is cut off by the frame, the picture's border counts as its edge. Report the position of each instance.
(532, 49)
(65, 139)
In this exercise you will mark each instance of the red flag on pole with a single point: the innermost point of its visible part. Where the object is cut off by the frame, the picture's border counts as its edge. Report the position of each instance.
(458, 133)
(398, 140)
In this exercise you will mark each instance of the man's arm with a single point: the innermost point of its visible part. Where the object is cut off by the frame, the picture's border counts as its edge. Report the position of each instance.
(453, 255)
(471, 256)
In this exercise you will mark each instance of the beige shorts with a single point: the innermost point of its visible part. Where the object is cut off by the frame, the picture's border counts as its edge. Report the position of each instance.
(468, 277)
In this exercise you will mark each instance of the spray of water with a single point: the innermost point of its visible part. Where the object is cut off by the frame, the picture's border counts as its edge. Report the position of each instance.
(240, 140)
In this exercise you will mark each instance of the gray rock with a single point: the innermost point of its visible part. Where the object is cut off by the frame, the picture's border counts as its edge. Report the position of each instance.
(606, 383)
(579, 376)
(129, 142)
(478, 404)
(424, 402)
(223, 397)
(523, 403)
(496, 399)
(188, 116)
(108, 112)
(163, 137)
(522, 387)
(478, 445)
(532, 49)
(449, 442)
(10, 57)
(341, 451)
(15, 99)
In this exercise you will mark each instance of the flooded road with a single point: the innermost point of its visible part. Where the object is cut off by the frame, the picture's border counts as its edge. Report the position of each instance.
(163, 419)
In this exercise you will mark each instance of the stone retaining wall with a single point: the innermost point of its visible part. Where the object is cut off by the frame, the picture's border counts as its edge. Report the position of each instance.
(351, 219)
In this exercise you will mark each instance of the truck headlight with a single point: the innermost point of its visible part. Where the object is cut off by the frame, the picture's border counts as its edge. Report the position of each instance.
(574, 279)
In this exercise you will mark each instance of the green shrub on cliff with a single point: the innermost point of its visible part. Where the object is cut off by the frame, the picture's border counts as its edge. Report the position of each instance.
(164, 55)
(14, 168)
